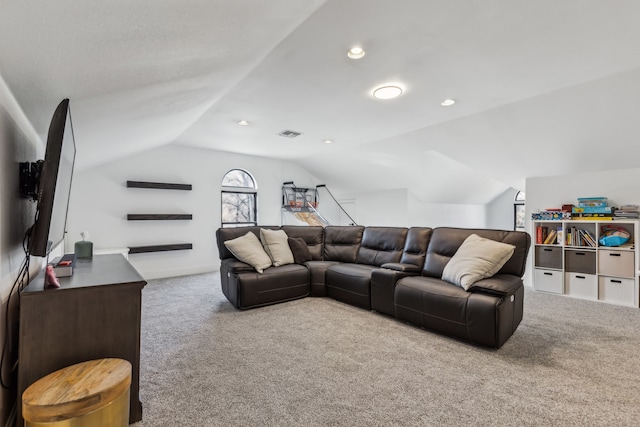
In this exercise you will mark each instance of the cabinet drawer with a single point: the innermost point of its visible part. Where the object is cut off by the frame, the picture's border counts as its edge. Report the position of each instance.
(617, 291)
(547, 280)
(549, 257)
(580, 261)
(616, 263)
(580, 285)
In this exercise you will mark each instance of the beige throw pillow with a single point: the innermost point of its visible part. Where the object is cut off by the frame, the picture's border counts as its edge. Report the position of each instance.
(276, 244)
(248, 249)
(477, 258)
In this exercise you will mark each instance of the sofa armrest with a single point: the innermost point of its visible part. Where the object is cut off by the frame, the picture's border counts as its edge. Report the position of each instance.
(383, 285)
(232, 265)
(498, 285)
(405, 268)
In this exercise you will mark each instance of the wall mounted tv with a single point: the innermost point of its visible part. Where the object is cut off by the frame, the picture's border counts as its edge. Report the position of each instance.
(54, 186)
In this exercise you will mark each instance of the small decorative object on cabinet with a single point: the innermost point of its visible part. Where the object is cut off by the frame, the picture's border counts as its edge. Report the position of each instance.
(576, 264)
(84, 248)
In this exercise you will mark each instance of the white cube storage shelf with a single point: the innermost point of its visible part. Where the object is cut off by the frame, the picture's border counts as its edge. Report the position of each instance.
(601, 273)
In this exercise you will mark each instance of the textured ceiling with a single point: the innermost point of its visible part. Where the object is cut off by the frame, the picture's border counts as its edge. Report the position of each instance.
(542, 87)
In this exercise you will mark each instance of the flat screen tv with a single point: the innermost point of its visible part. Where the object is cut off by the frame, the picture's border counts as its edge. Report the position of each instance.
(54, 187)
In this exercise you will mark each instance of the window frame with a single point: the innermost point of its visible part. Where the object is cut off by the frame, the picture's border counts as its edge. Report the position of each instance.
(519, 211)
(239, 190)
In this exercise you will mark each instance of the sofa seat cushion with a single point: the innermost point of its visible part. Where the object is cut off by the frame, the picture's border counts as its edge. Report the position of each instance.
(275, 284)
(350, 283)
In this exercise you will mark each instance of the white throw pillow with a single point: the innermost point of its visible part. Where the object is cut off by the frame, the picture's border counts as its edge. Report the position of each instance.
(477, 258)
(248, 249)
(276, 244)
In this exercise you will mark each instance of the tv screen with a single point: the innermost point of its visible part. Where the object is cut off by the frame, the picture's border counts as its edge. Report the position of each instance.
(54, 184)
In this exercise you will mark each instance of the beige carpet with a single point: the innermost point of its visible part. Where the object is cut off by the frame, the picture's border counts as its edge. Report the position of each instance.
(319, 362)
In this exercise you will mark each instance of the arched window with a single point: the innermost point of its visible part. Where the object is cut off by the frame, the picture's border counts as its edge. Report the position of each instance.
(518, 211)
(239, 199)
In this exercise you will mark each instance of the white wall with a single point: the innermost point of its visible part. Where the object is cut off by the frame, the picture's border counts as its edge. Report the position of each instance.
(100, 202)
(400, 208)
(18, 143)
(380, 208)
(619, 186)
(423, 214)
(500, 211)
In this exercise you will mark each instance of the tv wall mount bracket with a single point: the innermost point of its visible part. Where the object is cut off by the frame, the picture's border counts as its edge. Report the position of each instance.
(30, 179)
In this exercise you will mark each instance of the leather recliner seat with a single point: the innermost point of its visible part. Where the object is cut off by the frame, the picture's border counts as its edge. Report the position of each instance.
(488, 313)
(350, 281)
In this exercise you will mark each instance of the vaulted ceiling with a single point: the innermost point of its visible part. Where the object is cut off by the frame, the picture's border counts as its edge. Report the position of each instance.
(542, 87)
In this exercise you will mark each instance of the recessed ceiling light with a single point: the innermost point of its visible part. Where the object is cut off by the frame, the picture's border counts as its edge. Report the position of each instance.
(356, 52)
(387, 92)
(328, 141)
(243, 123)
(448, 102)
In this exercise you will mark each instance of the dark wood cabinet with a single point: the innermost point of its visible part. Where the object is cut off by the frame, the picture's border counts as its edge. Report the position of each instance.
(94, 314)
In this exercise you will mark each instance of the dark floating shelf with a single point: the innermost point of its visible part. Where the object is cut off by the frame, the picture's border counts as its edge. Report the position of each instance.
(159, 248)
(155, 217)
(158, 185)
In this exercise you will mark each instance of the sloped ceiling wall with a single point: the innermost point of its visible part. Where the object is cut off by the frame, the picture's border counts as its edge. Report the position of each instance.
(541, 87)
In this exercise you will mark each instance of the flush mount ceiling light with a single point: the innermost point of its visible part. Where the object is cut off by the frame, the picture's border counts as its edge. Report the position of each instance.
(448, 102)
(243, 123)
(387, 92)
(328, 141)
(356, 52)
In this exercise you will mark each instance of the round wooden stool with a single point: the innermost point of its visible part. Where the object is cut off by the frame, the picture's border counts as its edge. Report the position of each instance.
(88, 394)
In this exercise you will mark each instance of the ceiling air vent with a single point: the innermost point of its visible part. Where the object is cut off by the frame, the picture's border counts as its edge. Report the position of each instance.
(290, 133)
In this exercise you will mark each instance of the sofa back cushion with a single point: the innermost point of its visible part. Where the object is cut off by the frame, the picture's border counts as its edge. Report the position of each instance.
(312, 235)
(341, 243)
(445, 241)
(224, 234)
(381, 245)
(415, 246)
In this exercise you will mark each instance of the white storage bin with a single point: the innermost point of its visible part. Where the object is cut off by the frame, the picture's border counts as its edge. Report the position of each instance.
(616, 290)
(548, 280)
(580, 285)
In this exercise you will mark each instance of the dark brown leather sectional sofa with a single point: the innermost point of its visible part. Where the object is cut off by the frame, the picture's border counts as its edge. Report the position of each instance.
(393, 270)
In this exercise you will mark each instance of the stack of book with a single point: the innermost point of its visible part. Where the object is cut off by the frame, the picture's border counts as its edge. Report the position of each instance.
(592, 208)
(579, 237)
(546, 236)
(626, 212)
